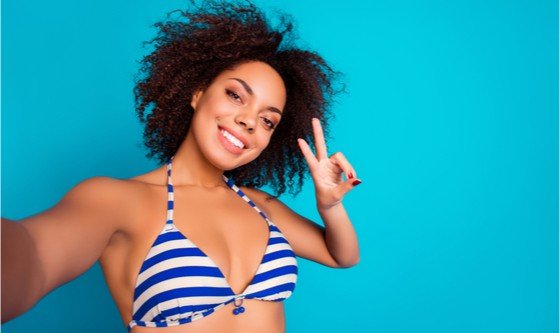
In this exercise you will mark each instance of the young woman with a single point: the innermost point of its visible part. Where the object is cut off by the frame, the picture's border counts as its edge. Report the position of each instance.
(228, 104)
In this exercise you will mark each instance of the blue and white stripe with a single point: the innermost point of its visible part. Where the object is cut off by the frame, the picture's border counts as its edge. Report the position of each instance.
(178, 283)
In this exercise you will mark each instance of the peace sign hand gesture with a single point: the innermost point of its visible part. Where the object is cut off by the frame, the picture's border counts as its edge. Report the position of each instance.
(327, 171)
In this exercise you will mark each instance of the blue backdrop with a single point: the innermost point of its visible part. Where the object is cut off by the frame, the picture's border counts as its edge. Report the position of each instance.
(451, 121)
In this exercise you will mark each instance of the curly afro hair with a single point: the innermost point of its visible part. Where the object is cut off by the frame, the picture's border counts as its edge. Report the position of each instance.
(195, 47)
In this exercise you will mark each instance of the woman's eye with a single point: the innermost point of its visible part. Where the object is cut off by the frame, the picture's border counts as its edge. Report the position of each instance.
(269, 123)
(233, 95)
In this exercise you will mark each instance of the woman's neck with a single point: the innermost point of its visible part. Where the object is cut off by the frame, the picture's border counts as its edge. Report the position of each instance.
(190, 167)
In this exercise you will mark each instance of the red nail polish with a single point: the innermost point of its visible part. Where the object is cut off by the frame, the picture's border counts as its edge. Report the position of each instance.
(357, 182)
(350, 175)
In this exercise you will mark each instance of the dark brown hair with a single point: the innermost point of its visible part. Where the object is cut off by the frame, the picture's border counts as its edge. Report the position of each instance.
(195, 47)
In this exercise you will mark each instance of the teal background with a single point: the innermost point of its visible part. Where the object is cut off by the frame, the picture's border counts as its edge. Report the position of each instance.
(450, 120)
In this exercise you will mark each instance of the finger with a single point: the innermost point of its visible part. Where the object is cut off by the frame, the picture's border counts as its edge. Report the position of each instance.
(320, 145)
(348, 185)
(343, 163)
(307, 153)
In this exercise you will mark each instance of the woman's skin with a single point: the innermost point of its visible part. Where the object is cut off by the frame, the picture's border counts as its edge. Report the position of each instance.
(115, 221)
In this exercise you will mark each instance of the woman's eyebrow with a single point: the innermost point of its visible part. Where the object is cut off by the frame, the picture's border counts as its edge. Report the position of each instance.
(244, 84)
(250, 92)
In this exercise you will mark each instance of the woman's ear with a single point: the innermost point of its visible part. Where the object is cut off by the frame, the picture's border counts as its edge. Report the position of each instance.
(195, 98)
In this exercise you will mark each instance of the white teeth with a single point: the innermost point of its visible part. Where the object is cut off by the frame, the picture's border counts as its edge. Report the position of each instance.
(233, 139)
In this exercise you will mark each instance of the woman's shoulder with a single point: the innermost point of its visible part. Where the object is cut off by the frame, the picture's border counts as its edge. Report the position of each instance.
(109, 196)
(111, 192)
(123, 201)
(256, 192)
(105, 186)
(134, 183)
(262, 199)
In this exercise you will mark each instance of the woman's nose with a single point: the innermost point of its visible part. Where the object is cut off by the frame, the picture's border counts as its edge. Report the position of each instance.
(247, 121)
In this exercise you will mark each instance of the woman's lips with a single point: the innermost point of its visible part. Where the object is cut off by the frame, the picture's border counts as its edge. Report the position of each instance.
(228, 145)
(235, 134)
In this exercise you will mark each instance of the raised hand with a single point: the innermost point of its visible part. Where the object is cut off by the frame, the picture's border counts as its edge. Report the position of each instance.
(327, 171)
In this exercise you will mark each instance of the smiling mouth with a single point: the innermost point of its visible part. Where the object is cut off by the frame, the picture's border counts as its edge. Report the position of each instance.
(232, 139)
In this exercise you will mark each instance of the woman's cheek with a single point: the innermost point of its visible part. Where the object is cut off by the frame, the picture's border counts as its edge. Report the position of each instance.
(265, 143)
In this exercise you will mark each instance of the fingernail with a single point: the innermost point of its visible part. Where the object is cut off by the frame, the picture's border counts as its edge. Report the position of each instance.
(350, 175)
(356, 182)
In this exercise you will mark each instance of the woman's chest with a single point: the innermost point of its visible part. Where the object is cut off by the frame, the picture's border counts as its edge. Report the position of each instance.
(222, 226)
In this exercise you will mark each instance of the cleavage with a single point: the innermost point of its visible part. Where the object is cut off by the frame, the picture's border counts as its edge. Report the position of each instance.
(234, 236)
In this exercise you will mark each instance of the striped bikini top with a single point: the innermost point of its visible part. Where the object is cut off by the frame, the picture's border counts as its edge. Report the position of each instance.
(178, 283)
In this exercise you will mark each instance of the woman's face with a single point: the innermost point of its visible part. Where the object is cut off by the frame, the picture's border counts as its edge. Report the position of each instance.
(235, 116)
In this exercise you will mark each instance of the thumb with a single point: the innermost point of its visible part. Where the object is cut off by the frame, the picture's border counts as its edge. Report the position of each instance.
(349, 184)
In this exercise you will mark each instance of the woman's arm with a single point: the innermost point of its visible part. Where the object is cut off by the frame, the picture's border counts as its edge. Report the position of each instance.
(334, 246)
(44, 251)
(21, 275)
(340, 236)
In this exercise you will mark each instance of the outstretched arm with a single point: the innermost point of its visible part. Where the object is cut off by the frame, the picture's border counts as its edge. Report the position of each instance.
(22, 279)
(46, 250)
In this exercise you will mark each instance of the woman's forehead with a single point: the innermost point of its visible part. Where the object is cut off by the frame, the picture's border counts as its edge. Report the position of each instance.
(254, 69)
